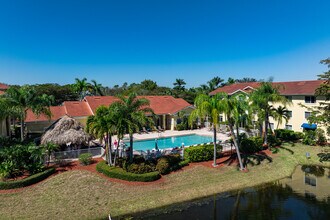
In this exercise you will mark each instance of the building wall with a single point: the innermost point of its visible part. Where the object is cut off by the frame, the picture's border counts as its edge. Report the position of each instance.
(298, 112)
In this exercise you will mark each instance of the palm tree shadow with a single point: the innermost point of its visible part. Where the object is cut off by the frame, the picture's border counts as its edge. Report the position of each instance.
(256, 159)
(277, 149)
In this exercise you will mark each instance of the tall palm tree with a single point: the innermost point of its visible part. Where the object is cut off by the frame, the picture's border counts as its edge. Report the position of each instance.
(102, 125)
(210, 108)
(21, 99)
(132, 114)
(214, 83)
(96, 88)
(280, 113)
(262, 98)
(235, 109)
(179, 84)
(81, 87)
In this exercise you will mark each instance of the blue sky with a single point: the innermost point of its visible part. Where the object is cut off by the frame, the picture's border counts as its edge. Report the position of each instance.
(129, 41)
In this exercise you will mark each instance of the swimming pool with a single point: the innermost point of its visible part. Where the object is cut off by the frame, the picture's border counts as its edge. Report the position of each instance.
(170, 142)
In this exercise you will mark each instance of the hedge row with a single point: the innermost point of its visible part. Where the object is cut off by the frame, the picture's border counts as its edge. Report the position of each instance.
(119, 173)
(27, 181)
(200, 153)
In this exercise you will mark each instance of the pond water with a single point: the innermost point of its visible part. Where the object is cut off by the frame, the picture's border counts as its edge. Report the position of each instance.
(305, 195)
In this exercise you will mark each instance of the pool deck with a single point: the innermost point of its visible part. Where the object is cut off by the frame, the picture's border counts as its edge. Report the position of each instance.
(168, 133)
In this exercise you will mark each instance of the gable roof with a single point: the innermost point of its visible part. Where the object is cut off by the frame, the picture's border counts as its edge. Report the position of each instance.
(87, 107)
(3, 86)
(285, 88)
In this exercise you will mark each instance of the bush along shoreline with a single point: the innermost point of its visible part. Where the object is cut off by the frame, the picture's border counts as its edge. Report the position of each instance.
(13, 184)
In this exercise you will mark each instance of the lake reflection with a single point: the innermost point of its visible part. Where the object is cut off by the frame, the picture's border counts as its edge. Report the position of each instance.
(305, 195)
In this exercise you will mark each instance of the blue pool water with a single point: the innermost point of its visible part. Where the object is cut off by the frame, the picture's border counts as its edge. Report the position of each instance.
(170, 142)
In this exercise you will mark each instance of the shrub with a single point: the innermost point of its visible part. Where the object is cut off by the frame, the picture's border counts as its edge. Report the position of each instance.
(183, 163)
(250, 145)
(85, 159)
(320, 137)
(163, 165)
(200, 153)
(273, 141)
(140, 168)
(27, 181)
(166, 164)
(288, 135)
(119, 173)
(310, 138)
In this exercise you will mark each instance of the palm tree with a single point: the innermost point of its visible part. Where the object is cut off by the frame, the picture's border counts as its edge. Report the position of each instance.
(280, 113)
(208, 107)
(96, 88)
(21, 99)
(214, 83)
(131, 113)
(50, 148)
(179, 84)
(81, 87)
(102, 125)
(235, 109)
(262, 98)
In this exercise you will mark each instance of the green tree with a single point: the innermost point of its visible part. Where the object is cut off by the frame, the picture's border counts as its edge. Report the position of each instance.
(262, 98)
(321, 114)
(214, 83)
(96, 88)
(24, 98)
(102, 125)
(132, 114)
(49, 149)
(236, 110)
(82, 87)
(179, 84)
(149, 85)
(280, 113)
(210, 108)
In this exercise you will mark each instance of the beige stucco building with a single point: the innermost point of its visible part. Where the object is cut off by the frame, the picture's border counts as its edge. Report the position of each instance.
(301, 93)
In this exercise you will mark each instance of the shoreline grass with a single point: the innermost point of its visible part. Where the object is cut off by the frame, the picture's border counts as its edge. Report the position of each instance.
(85, 195)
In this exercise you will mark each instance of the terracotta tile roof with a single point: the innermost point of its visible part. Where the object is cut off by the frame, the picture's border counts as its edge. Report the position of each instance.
(160, 104)
(95, 101)
(77, 108)
(2, 92)
(166, 104)
(57, 112)
(285, 88)
(3, 86)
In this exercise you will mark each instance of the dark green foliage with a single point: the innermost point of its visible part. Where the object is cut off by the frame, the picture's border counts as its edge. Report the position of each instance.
(140, 168)
(288, 135)
(273, 141)
(119, 173)
(250, 145)
(200, 153)
(324, 157)
(7, 141)
(16, 160)
(163, 165)
(27, 181)
(309, 138)
(85, 159)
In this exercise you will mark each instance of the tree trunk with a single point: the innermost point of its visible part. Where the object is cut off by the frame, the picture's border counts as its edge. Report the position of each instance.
(236, 146)
(266, 128)
(22, 129)
(131, 148)
(109, 159)
(116, 154)
(215, 145)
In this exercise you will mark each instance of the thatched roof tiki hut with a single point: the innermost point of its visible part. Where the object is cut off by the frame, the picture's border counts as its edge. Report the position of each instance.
(66, 131)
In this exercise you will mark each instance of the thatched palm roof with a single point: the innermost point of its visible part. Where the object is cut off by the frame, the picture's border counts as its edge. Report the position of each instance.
(65, 130)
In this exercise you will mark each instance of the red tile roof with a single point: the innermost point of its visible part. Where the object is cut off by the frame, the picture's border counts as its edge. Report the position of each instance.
(3, 86)
(2, 92)
(160, 105)
(285, 88)
(57, 112)
(76, 108)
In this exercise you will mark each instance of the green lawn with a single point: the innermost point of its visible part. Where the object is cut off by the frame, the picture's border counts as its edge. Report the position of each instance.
(84, 195)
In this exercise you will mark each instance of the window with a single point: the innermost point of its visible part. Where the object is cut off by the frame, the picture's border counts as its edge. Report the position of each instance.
(310, 99)
(221, 118)
(289, 98)
(310, 181)
(307, 114)
(290, 114)
(288, 127)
